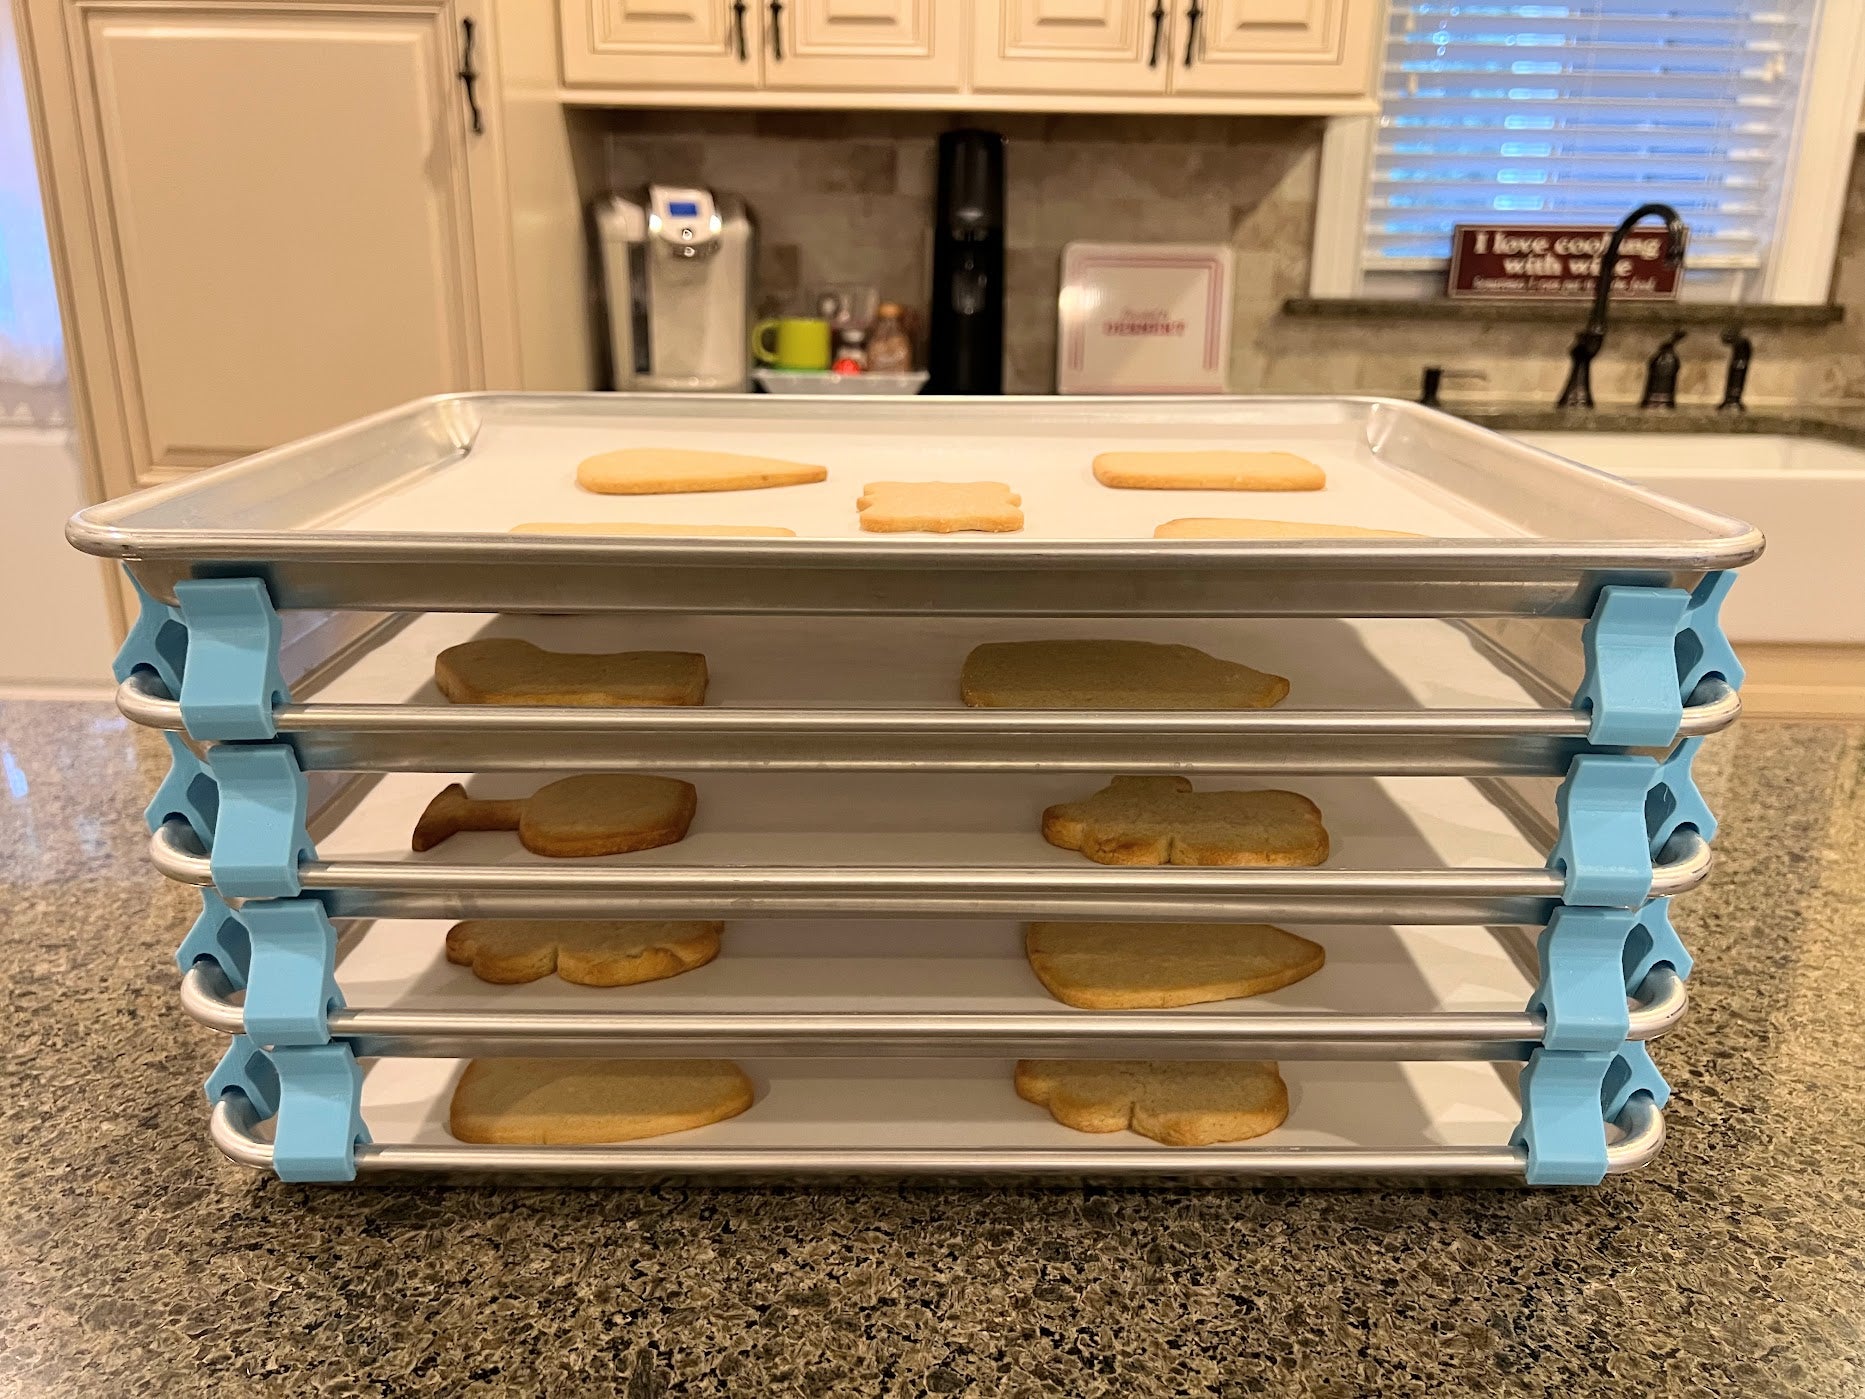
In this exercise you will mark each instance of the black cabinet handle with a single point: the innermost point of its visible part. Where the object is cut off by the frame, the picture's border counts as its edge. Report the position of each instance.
(469, 76)
(777, 30)
(738, 28)
(1159, 32)
(1192, 16)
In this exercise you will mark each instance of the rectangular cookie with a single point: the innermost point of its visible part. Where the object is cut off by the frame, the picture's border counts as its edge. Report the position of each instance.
(505, 670)
(1111, 675)
(939, 507)
(1208, 471)
(1155, 966)
(1217, 527)
(680, 470)
(587, 1102)
(629, 527)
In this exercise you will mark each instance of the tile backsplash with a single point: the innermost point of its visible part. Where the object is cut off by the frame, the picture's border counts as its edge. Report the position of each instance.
(847, 197)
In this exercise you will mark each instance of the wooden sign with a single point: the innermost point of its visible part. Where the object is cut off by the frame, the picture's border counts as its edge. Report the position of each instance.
(1518, 263)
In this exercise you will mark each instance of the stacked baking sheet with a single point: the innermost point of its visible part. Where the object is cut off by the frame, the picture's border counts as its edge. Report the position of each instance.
(872, 844)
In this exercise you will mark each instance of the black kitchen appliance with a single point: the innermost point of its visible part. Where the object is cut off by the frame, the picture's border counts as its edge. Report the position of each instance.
(965, 349)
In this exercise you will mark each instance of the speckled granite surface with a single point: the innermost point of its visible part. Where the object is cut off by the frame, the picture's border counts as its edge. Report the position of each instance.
(136, 1262)
(1832, 424)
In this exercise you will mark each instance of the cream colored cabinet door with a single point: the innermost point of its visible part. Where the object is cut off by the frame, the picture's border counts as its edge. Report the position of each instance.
(662, 43)
(262, 220)
(896, 45)
(1278, 47)
(1072, 46)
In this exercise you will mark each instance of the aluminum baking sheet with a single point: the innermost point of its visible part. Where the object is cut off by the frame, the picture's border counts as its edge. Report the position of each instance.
(1405, 850)
(1385, 696)
(957, 988)
(410, 510)
(1632, 1139)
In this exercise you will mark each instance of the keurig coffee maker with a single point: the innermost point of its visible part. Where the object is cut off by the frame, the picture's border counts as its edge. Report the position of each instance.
(965, 349)
(676, 264)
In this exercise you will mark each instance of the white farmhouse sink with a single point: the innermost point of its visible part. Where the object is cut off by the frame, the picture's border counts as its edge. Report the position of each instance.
(1807, 496)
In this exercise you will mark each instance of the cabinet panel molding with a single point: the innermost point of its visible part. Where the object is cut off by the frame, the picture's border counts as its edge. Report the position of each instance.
(661, 43)
(277, 230)
(854, 44)
(1089, 46)
(1305, 47)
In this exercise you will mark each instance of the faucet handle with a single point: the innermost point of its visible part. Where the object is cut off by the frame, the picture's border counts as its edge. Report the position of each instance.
(1435, 375)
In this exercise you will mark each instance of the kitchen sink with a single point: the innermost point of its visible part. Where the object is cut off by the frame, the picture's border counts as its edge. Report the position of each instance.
(1806, 494)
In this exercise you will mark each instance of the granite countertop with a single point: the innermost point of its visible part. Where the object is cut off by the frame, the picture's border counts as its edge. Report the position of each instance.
(137, 1261)
(1833, 424)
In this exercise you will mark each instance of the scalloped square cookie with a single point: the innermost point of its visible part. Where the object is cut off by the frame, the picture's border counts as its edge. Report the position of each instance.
(939, 507)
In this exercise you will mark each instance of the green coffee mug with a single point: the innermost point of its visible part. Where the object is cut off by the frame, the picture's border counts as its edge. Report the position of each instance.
(792, 342)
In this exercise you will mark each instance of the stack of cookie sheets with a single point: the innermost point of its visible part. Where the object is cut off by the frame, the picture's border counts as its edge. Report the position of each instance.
(1496, 718)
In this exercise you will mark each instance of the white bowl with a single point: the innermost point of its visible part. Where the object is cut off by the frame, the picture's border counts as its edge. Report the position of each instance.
(828, 381)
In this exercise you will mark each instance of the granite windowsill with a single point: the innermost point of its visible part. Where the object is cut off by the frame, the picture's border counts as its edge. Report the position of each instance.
(1626, 312)
(1833, 424)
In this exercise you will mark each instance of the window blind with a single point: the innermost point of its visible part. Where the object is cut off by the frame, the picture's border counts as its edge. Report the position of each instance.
(1575, 113)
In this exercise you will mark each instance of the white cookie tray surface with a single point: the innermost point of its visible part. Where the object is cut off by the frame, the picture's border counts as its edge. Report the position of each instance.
(882, 663)
(833, 821)
(521, 471)
(931, 966)
(831, 1104)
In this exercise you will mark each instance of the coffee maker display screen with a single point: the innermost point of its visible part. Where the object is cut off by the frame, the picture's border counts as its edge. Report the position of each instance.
(683, 209)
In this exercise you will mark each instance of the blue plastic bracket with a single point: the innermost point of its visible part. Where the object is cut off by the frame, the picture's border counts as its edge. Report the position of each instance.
(1647, 650)
(1582, 990)
(189, 791)
(1591, 960)
(157, 641)
(218, 936)
(315, 1093)
(260, 837)
(1568, 1097)
(1654, 942)
(247, 1068)
(1617, 811)
(1674, 801)
(232, 679)
(293, 985)
(1701, 649)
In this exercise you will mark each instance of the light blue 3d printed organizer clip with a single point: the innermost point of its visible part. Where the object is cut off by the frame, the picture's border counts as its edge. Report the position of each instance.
(246, 798)
(1568, 1098)
(312, 1093)
(1617, 813)
(1647, 650)
(1592, 959)
(282, 953)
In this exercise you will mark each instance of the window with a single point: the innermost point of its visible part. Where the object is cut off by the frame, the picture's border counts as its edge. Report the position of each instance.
(1495, 111)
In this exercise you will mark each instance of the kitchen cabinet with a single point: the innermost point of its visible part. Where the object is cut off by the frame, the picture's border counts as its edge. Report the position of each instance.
(1300, 47)
(894, 45)
(1102, 46)
(262, 220)
(662, 43)
(1289, 56)
(763, 45)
